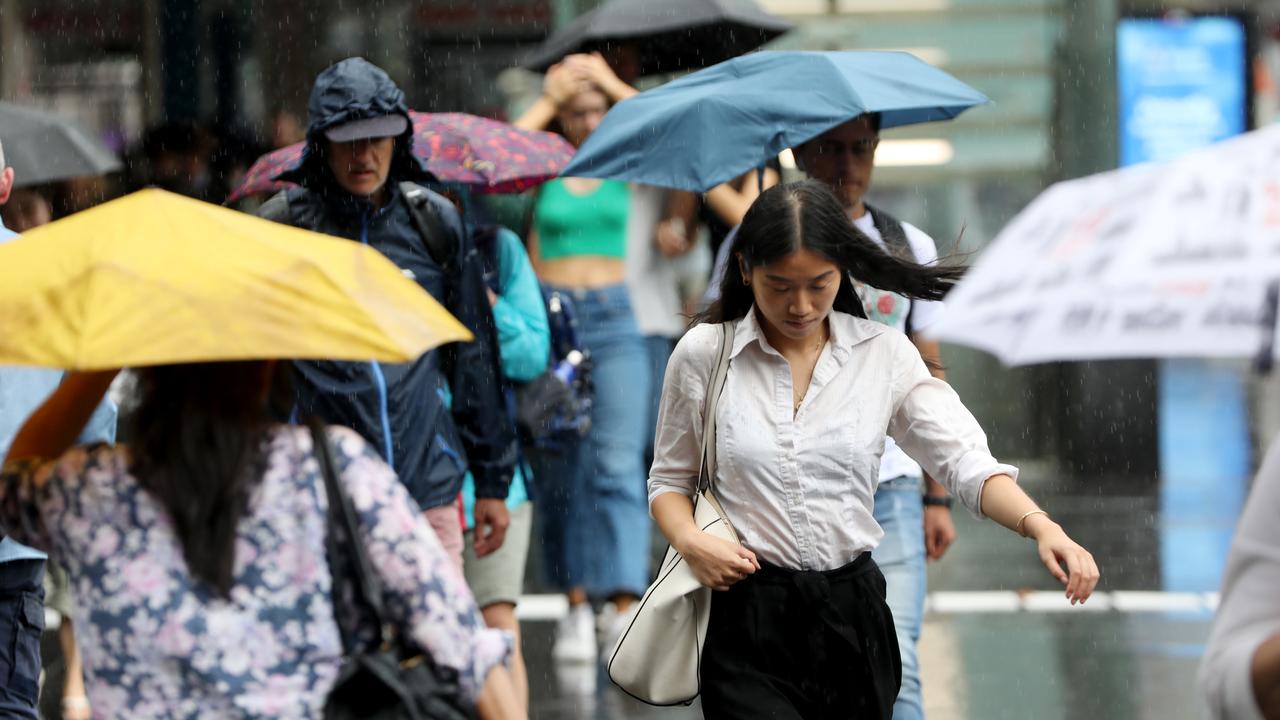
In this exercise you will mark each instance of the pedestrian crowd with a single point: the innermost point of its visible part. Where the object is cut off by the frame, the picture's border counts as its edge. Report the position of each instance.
(195, 548)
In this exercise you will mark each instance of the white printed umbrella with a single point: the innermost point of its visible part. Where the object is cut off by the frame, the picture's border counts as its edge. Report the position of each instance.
(1173, 259)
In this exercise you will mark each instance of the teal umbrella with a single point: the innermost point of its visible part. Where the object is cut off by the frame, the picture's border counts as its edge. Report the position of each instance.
(713, 125)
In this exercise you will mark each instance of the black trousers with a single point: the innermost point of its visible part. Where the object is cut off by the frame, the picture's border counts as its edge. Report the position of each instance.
(789, 645)
(21, 623)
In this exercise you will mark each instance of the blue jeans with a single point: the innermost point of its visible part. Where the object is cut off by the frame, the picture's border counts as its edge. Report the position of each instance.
(659, 352)
(21, 624)
(593, 498)
(901, 557)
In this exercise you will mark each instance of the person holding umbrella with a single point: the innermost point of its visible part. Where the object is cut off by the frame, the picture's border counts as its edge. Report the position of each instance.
(800, 628)
(583, 243)
(356, 176)
(212, 557)
(222, 500)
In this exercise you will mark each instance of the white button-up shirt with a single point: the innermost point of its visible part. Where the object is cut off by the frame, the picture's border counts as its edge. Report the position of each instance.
(799, 490)
(1249, 613)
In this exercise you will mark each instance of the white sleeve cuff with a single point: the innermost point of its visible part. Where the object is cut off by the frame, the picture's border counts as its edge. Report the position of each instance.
(662, 487)
(971, 475)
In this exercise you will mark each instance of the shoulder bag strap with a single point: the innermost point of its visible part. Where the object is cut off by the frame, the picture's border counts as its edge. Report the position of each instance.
(895, 238)
(707, 468)
(342, 516)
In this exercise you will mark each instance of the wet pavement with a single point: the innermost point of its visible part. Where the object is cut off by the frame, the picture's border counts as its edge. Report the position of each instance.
(999, 643)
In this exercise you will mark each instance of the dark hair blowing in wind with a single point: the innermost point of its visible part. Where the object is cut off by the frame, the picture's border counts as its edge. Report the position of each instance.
(806, 215)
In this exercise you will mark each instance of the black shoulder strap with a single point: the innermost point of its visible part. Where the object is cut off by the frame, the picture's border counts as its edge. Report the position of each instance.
(894, 235)
(895, 238)
(429, 225)
(342, 519)
(484, 238)
(276, 209)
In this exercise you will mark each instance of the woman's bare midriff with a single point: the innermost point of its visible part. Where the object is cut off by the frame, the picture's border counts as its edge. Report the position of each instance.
(583, 272)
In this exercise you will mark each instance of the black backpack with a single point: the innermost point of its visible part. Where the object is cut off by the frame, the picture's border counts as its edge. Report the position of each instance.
(549, 411)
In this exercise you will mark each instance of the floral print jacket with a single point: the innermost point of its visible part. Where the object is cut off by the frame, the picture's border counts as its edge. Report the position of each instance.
(158, 643)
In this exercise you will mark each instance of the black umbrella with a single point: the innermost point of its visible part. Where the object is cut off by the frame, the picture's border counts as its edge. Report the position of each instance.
(672, 35)
(42, 147)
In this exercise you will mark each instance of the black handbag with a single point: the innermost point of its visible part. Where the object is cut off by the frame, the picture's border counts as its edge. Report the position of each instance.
(391, 681)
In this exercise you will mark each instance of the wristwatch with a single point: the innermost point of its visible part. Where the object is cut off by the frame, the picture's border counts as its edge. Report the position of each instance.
(937, 501)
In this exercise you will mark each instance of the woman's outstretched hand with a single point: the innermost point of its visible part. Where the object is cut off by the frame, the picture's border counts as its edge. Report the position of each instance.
(1056, 549)
(717, 563)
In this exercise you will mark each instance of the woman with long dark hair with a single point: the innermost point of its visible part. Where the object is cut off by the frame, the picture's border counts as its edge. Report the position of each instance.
(799, 627)
(197, 553)
(595, 527)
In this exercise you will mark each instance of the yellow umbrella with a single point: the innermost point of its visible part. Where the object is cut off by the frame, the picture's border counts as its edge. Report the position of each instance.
(156, 278)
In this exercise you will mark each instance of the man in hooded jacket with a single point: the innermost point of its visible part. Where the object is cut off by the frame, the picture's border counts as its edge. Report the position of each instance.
(356, 177)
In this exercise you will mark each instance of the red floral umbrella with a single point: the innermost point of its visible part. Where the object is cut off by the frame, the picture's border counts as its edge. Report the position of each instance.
(487, 155)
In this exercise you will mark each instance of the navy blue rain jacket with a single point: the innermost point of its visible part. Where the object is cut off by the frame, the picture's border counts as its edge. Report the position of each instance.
(401, 409)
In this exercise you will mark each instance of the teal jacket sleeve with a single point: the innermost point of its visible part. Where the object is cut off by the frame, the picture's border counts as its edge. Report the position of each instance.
(521, 316)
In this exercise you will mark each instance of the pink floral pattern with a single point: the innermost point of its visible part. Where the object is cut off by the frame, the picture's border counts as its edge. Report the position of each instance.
(157, 643)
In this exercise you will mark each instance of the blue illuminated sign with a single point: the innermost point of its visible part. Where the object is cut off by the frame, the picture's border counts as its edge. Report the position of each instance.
(1182, 85)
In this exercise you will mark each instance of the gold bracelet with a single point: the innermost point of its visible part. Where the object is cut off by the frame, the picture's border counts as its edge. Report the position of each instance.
(1023, 519)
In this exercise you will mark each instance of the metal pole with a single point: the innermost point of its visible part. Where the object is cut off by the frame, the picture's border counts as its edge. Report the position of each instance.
(1085, 397)
(562, 13)
(1086, 140)
(10, 48)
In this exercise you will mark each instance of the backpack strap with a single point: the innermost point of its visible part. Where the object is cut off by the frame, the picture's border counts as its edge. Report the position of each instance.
(485, 240)
(895, 239)
(895, 236)
(430, 226)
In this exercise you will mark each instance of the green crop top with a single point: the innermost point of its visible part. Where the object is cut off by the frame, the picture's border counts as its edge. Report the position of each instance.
(570, 225)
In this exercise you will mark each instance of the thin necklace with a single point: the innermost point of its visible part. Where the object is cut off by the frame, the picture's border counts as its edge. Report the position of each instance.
(822, 337)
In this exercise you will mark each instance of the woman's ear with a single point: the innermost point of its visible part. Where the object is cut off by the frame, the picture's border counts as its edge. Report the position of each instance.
(743, 269)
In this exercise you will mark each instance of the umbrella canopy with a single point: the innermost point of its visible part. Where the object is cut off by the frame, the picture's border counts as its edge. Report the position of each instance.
(42, 147)
(156, 278)
(712, 126)
(487, 155)
(671, 35)
(1160, 260)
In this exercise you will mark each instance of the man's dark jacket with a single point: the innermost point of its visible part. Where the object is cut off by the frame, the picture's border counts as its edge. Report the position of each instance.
(402, 409)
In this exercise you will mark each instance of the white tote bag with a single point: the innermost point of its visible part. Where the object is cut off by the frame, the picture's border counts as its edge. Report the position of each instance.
(657, 659)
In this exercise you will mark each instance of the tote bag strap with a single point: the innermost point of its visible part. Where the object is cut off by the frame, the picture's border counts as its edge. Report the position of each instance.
(707, 467)
(342, 516)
